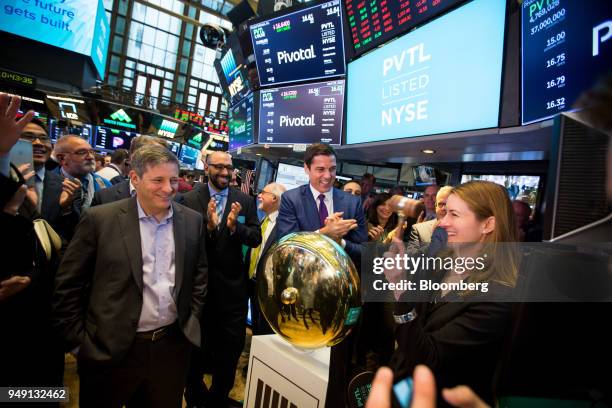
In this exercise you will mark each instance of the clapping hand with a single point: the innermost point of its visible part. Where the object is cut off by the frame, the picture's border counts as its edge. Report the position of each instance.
(233, 216)
(336, 227)
(70, 189)
(211, 212)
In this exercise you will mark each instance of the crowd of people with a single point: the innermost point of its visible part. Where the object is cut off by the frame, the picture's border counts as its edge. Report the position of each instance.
(145, 276)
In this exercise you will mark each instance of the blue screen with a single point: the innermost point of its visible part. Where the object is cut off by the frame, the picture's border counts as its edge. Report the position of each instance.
(189, 156)
(70, 24)
(310, 113)
(566, 46)
(443, 77)
(306, 44)
(241, 124)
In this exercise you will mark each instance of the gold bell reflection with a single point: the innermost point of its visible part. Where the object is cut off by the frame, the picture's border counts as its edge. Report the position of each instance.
(308, 290)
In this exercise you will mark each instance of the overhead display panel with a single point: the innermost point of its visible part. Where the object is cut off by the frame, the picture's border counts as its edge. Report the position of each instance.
(567, 46)
(302, 45)
(241, 124)
(443, 77)
(73, 25)
(232, 70)
(374, 22)
(302, 114)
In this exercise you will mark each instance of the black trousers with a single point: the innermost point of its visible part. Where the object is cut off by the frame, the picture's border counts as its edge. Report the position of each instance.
(222, 343)
(152, 374)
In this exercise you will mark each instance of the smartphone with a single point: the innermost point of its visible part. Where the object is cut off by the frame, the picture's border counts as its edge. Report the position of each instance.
(20, 154)
(402, 393)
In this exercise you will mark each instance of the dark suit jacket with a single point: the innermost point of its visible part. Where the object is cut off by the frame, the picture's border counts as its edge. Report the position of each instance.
(461, 341)
(228, 272)
(299, 212)
(99, 286)
(50, 208)
(117, 192)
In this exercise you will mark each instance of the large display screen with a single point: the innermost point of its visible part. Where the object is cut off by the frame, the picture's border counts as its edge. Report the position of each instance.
(374, 22)
(305, 44)
(111, 139)
(232, 70)
(291, 176)
(189, 157)
(443, 77)
(241, 127)
(566, 46)
(310, 113)
(70, 24)
(523, 188)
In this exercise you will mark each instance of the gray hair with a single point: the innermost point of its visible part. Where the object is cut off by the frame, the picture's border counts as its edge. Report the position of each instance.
(151, 155)
(446, 190)
(277, 189)
(145, 140)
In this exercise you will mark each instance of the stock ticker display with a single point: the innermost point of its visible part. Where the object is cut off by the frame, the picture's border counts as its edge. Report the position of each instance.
(303, 45)
(310, 113)
(373, 22)
(567, 45)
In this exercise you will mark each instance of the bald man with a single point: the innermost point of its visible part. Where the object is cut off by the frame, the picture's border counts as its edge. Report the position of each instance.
(77, 166)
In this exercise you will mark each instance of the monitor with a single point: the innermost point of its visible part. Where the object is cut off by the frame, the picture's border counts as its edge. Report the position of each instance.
(74, 25)
(310, 113)
(175, 147)
(520, 187)
(566, 47)
(374, 22)
(241, 126)
(300, 45)
(196, 139)
(443, 77)
(189, 157)
(265, 170)
(216, 143)
(163, 127)
(424, 176)
(111, 139)
(232, 70)
(291, 176)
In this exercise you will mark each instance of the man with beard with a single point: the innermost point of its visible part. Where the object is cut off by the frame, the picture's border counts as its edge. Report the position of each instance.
(78, 164)
(231, 220)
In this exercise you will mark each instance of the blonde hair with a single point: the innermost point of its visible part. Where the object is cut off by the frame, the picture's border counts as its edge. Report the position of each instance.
(487, 199)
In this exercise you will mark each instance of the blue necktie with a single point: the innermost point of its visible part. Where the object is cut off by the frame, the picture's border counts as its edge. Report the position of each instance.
(219, 208)
(322, 210)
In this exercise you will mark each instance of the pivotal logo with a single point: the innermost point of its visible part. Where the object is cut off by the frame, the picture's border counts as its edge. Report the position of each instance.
(600, 39)
(299, 55)
(295, 122)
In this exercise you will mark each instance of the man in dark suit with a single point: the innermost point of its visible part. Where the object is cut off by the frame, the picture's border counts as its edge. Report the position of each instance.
(48, 185)
(130, 290)
(269, 201)
(318, 206)
(124, 189)
(231, 223)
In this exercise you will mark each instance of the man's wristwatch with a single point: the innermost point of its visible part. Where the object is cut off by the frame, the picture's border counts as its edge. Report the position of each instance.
(405, 318)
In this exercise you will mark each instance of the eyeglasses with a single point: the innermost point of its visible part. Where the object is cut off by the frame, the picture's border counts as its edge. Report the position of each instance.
(220, 167)
(30, 137)
(84, 152)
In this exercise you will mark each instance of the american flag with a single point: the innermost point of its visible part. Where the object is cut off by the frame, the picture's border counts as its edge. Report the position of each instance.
(247, 177)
